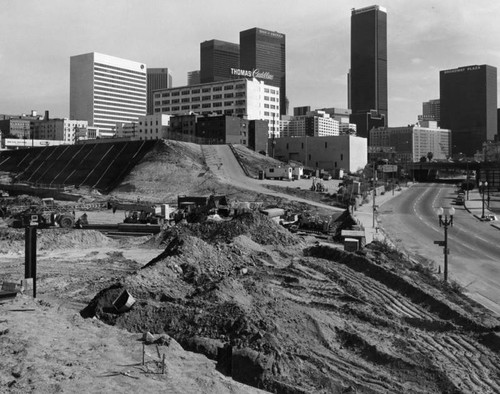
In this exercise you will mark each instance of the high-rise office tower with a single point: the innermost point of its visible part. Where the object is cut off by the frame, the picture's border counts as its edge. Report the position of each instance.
(368, 73)
(431, 110)
(217, 58)
(157, 79)
(468, 98)
(105, 90)
(263, 56)
(193, 77)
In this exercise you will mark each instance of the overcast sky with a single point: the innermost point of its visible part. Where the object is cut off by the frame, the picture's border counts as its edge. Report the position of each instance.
(38, 37)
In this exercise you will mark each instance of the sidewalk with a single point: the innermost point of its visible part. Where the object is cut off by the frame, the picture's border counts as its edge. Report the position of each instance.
(364, 214)
(474, 205)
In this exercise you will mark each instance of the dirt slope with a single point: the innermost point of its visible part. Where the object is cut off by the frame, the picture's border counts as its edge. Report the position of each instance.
(288, 317)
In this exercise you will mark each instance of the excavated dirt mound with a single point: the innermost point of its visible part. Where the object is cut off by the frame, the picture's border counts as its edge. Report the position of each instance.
(51, 239)
(291, 318)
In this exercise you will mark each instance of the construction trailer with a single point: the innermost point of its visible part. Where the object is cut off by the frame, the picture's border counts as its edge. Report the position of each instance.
(280, 172)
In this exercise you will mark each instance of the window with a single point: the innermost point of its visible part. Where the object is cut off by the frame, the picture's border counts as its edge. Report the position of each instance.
(206, 98)
(266, 105)
(228, 87)
(175, 101)
(217, 96)
(164, 102)
(206, 105)
(175, 93)
(157, 95)
(195, 98)
(219, 104)
(240, 94)
(157, 103)
(185, 92)
(266, 98)
(175, 108)
(166, 94)
(185, 100)
(195, 106)
(228, 103)
(228, 95)
(185, 107)
(240, 86)
(266, 90)
(217, 88)
(205, 90)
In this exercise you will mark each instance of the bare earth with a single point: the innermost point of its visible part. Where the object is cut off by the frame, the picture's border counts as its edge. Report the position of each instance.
(298, 315)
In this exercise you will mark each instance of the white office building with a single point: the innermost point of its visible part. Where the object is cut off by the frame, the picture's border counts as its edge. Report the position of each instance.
(247, 98)
(105, 90)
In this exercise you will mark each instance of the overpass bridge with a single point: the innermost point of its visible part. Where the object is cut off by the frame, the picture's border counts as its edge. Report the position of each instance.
(431, 171)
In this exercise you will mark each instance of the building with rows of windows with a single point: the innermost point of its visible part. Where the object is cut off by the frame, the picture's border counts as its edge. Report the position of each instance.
(105, 90)
(246, 98)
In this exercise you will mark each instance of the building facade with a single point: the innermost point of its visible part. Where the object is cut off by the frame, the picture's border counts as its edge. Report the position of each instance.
(17, 127)
(57, 129)
(105, 90)
(193, 78)
(263, 56)
(368, 73)
(328, 153)
(157, 79)
(217, 58)
(409, 144)
(246, 98)
(313, 124)
(431, 111)
(468, 97)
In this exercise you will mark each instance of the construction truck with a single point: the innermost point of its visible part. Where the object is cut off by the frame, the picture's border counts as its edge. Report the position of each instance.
(45, 214)
(149, 214)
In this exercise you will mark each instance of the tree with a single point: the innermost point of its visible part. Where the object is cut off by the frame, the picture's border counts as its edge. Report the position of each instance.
(430, 155)
(423, 159)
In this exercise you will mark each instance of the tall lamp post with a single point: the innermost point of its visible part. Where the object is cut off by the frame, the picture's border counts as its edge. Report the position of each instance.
(445, 222)
(482, 187)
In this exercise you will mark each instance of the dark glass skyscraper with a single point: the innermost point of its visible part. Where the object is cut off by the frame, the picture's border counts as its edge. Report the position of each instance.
(263, 55)
(368, 73)
(157, 79)
(468, 97)
(216, 60)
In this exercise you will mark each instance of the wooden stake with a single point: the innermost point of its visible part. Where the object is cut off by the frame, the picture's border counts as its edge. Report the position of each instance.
(163, 368)
(143, 351)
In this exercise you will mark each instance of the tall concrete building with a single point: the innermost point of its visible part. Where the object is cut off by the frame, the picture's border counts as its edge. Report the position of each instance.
(157, 79)
(368, 73)
(263, 56)
(105, 90)
(217, 58)
(468, 97)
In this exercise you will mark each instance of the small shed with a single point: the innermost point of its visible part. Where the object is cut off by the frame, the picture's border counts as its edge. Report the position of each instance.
(358, 235)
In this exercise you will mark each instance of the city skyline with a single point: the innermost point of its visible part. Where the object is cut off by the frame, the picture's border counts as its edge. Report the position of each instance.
(423, 39)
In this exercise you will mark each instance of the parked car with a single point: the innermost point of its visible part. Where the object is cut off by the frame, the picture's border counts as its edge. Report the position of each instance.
(489, 218)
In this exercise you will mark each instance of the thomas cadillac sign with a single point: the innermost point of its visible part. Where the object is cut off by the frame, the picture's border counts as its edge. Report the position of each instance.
(255, 73)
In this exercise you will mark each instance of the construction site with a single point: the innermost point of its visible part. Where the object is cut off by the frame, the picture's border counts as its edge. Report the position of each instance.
(164, 266)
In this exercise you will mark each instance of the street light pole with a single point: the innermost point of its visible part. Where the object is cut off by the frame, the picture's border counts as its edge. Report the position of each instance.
(447, 221)
(483, 186)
